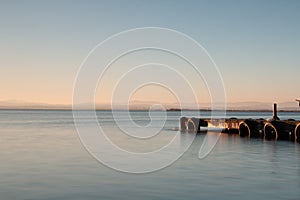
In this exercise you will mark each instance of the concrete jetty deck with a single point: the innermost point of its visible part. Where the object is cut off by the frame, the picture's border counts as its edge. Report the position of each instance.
(258, 128)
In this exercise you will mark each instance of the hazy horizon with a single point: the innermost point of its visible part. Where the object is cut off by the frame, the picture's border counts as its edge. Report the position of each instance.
(146, 105)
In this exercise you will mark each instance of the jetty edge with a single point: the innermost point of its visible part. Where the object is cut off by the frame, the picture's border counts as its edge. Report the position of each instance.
(273, 129)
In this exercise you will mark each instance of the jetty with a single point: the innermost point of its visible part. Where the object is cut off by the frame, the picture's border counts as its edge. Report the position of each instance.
(273, 129)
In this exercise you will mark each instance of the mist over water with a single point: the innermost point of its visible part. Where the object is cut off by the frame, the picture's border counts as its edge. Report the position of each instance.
(42, 157)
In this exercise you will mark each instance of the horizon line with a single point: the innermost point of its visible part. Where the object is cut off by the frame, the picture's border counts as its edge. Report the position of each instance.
(168, 110)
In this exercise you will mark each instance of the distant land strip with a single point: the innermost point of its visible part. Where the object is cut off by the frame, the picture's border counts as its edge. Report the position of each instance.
(145, 110)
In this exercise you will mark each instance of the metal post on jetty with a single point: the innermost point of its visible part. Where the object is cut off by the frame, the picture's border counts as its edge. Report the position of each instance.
(275, 117)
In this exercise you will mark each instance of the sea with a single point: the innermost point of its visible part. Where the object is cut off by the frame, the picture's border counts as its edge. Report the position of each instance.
(42, 157)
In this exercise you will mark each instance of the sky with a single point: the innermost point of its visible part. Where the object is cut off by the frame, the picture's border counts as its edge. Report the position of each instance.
(255, 44)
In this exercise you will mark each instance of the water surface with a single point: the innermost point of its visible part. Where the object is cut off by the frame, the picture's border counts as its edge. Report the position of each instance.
(42, 158)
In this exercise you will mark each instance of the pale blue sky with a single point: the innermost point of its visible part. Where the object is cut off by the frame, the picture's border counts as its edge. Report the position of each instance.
(256, 44)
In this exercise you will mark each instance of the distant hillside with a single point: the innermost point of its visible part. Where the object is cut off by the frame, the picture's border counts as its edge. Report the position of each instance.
(14, 104)
(143, 105)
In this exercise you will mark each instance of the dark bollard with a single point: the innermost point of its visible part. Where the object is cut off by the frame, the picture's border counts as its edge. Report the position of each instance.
(193, 124)
(251, 128)
(244, 130)
(183, 124)
(270, 131)
(283, 130)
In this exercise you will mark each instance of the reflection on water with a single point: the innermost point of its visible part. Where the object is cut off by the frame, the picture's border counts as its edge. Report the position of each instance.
(41, 158)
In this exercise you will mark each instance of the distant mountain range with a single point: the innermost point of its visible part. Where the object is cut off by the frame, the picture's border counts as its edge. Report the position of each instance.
(15, 104)
(143, 105)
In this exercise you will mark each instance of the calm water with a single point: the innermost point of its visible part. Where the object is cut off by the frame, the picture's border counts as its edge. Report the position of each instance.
(41, 157)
